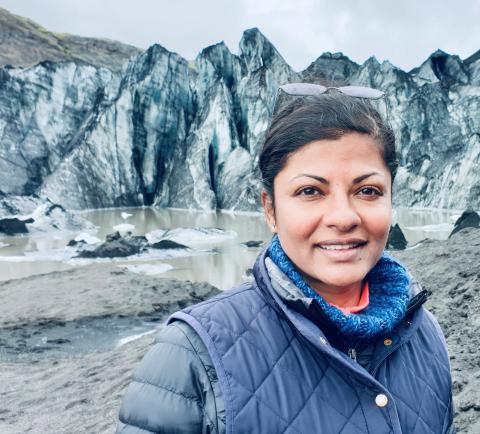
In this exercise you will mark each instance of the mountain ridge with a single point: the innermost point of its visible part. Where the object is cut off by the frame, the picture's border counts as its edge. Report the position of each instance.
(18, 35)
(167, 131)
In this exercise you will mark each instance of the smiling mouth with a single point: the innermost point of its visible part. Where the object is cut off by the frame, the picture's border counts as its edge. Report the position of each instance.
(341, 246)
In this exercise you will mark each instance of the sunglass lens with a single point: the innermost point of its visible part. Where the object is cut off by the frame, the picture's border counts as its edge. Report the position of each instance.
(361, 92)
(303, 89)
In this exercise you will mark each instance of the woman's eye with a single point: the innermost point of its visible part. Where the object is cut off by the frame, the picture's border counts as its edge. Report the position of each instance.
(370, 191)
(308, 191)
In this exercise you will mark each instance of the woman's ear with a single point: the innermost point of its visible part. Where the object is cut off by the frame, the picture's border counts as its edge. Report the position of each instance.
(269, 211)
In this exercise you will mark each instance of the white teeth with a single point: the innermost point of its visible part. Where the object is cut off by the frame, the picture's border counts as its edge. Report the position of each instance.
(339, 246)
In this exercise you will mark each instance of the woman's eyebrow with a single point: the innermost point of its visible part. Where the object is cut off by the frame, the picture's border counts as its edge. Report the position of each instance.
(318, 178)
(324, 181)
(367, 175)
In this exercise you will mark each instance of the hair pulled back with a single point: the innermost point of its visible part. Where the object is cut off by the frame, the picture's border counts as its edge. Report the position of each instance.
(325, 117)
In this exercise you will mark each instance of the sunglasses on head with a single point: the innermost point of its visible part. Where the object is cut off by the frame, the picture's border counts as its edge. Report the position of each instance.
(309, 89)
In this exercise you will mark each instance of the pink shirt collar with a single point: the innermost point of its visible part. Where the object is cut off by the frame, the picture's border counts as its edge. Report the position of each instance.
(362, 303)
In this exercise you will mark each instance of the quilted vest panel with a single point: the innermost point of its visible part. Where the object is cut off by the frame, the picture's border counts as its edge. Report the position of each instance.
(279, 375)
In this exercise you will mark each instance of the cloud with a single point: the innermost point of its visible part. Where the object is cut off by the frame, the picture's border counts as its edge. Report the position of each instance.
(405, 33)
(182, 26)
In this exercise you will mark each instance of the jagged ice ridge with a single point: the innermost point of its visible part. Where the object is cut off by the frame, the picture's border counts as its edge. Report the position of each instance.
(167, 132)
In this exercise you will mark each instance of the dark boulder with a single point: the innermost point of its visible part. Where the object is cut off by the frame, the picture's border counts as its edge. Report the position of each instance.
(115, 236)
(469, 219)
(168, 244)
(13, 226)
(109, 250)
(75, 243)
(396, 239)
(134, 240)
(253, 244)
(120, 246)
(116, 246)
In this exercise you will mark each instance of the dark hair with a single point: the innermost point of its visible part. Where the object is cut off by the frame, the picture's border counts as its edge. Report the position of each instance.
(325, 117)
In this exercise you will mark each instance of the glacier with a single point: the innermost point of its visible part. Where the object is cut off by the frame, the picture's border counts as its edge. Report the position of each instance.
(169, 132)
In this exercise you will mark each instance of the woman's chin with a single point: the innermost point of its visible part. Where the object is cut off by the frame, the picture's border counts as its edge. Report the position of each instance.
(339, 282)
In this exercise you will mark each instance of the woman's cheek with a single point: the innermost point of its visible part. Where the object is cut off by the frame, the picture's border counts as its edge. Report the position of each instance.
(381, 223)
(301, 222)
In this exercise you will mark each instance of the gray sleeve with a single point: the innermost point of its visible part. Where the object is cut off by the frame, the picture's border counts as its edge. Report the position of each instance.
(174, 389)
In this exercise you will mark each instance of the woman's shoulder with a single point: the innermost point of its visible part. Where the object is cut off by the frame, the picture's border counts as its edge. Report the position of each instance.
(174, 388)
(427, 322)
(225, 309)
(431, 324)
(244, 289)
(427, 337)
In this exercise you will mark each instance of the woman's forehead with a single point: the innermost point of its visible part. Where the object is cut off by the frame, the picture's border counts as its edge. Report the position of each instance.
(350, 151)
(355, 177)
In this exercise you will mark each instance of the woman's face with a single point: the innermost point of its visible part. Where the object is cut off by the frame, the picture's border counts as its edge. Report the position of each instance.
(333, 210)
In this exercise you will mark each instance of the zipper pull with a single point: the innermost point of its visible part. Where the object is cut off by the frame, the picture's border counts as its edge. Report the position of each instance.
(352, 353)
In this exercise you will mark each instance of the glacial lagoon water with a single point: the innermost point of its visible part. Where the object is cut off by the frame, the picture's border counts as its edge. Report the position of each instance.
(223, 262)
(228, 265)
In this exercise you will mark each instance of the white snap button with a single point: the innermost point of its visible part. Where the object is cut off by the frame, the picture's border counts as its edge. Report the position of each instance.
(381, 400)
(323, 340)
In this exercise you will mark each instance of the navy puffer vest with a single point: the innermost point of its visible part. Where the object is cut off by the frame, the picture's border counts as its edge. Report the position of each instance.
(279, 374)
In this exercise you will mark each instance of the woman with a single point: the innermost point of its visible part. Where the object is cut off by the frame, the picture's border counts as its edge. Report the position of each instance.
(331, 336)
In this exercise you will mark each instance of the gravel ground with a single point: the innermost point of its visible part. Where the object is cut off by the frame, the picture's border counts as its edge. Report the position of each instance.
(51, 381)
(46, 384)
(451, 271)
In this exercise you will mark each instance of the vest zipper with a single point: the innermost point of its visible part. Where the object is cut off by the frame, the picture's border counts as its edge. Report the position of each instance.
(375, 369)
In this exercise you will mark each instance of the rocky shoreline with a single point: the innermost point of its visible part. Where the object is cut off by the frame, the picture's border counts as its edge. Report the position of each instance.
(57, 385)
(51, 381)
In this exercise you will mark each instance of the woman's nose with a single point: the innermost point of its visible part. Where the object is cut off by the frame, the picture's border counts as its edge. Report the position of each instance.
(341, 214)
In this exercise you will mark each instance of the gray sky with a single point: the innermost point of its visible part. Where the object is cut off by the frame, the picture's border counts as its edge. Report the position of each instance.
(405, 32)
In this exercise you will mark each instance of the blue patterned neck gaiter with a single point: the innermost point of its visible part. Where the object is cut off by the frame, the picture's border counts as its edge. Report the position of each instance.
(389, 285)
